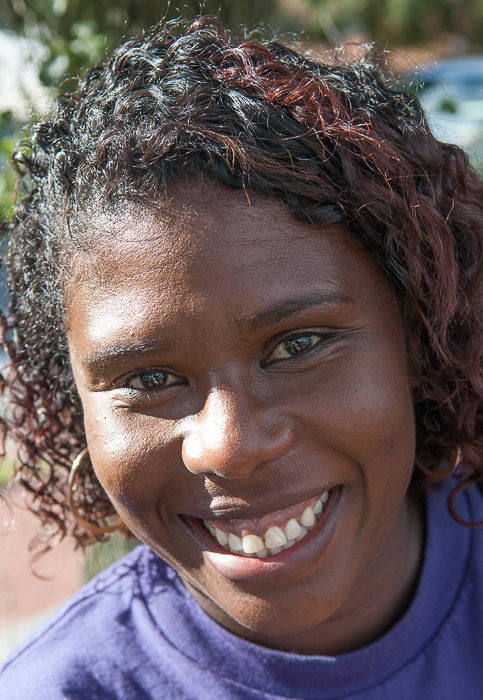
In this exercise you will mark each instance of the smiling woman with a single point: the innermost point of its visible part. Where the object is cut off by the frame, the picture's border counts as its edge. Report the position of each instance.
(247, 299)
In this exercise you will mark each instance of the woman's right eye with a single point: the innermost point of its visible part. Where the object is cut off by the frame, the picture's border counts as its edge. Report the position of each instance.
(152, 379)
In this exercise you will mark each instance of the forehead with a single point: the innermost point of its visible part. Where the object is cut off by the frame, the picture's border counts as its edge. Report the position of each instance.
(198, 220)
(211, 246)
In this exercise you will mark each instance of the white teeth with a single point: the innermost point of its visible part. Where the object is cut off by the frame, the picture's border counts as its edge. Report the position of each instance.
(275, 537)
(308, 518)
(222, 537)
(235, 543)
(252, 544)
(275, 550)
(303, 532)
(292, 529)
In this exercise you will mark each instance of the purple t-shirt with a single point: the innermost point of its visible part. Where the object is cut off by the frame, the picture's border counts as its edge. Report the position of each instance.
(135, 633)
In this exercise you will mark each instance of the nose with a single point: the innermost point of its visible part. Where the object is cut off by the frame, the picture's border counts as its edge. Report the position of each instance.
(233, 435)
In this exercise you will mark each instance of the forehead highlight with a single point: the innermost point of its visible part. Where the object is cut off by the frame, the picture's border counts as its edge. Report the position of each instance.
(169, 223)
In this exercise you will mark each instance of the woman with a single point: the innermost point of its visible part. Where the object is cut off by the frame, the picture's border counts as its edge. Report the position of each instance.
(247, 301)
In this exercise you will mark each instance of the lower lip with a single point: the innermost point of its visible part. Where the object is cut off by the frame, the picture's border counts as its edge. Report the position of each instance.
(273, 569)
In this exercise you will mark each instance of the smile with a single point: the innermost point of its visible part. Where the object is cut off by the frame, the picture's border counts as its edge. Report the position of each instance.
(252, 538)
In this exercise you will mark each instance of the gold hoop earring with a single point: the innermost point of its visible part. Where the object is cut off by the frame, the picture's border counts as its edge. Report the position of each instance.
(445, 472)
(77, 465)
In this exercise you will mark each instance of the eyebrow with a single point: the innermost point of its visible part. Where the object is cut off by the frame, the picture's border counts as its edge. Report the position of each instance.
(95, 360)
(288, 307)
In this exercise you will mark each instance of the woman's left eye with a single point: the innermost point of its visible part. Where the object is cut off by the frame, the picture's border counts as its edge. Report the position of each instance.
(153, 379)
(294, 346)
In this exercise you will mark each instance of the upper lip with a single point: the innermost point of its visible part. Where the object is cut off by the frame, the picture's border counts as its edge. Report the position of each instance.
(233, 509)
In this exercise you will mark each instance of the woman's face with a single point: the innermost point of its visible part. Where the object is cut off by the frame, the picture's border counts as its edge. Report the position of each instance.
(234, 366)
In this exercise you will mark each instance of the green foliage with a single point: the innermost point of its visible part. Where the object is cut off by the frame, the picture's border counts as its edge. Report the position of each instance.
(7, 467)
(399, 23)
(9, 135)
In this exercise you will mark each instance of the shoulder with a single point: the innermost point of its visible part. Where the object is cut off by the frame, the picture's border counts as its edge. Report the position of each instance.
(88, 637)
(458, 575)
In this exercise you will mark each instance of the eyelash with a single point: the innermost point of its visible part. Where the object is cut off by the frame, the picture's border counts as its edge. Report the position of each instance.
(322, 339)
(146, 373)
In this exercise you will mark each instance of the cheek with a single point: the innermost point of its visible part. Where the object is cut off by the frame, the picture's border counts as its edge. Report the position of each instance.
(364, 409)
(367, 395)
(379, 407)
(131, 454)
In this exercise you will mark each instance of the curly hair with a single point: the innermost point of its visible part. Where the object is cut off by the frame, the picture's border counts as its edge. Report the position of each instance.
(329, 137)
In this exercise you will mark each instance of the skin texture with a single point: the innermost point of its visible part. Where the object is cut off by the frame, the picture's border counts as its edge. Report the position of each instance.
(206, 289)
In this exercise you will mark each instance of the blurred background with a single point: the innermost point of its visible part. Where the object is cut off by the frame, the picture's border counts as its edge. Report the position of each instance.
(434, 47)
